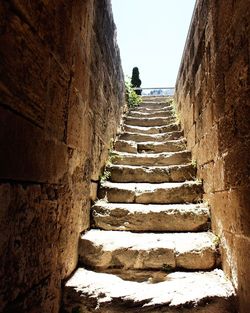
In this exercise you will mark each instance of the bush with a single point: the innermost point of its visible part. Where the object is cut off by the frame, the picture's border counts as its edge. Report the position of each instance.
(132, 98)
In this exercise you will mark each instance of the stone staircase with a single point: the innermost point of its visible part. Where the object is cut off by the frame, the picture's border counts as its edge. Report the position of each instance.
(150, 248)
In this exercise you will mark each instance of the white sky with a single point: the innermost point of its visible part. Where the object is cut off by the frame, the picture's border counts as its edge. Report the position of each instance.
(151, 35)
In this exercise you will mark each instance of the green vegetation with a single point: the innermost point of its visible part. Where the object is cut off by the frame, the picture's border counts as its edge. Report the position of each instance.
(105, 175)
(217, 240)
(135, 80)
(111, 157)
(176, 114)
(170, 101)
(132, 98)
(194, 163)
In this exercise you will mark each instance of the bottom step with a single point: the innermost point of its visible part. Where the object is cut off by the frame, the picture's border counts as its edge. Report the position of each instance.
(203, 292)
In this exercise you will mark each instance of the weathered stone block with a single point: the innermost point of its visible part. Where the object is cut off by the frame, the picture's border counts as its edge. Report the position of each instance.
(191, 137)
(237, 165)
(22, 157)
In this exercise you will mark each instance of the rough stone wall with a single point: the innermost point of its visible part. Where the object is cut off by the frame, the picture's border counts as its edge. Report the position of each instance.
(61, 98)
(212, 93)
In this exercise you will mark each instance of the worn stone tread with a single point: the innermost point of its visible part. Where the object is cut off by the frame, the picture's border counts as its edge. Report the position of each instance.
(150, 121)
(126, 146)
(154, 105)
(123, 249)
(161, 113)
(150, 109)
(151, 129)
(183, 192)
(131, 146)
(150, 217)
(167, 158)
(158, 147)
(203, 292)
(151, 174)
(159, 137)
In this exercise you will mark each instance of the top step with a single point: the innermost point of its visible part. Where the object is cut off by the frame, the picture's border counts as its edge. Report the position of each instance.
(157, 99)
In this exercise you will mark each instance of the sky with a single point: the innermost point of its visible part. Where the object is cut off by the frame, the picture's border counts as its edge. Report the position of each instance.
(151, 35)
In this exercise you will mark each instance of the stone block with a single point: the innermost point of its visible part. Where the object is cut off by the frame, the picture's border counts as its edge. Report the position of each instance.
(207, 118)
(93, 191)
(191, 138)
(218, 175)
(31, 219)
(79, 127)
(223, 212)
(205, 173)
(19, 91)
(242, 117)
(57, 94)
(219, 98)
(211, 145)
(39, 158)
(237, 165)
(237, 78)
(239, 198)
(199, 128)
(242, 255)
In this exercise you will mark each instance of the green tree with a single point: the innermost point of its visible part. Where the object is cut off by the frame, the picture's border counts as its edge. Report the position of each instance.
(135, 80)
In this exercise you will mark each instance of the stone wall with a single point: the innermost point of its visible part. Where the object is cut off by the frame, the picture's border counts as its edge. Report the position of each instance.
(61, 98)
(212, 92)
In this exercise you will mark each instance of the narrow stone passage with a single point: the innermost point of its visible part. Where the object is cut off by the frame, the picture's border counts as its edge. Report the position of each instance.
(150, 248)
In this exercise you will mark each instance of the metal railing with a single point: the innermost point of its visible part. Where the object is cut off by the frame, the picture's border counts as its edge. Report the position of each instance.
(156, 91)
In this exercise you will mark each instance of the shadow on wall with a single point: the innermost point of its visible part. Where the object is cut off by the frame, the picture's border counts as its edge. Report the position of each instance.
(60, 104)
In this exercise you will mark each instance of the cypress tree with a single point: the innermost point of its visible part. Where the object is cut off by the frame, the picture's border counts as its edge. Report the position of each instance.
(135, 80)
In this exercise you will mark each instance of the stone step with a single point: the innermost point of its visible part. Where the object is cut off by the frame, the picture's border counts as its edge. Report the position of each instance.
(150, 147)
(152, 109)
(151, 121)
(168, 158)
(189, 191)
(151, 174)
(161, 113)
(150, 217)
(154, 104)
(151, 130)
(122, 249)
(156, 98)
(158, 147)
(126, 146)
(205, 292)
(151, 137)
